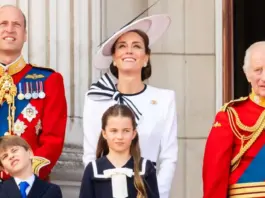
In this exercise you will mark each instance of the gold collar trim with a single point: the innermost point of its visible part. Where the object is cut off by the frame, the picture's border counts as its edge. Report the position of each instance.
(257, 99)
(14, 67)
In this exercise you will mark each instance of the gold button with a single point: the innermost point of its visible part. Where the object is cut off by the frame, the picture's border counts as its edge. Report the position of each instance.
(153, 102)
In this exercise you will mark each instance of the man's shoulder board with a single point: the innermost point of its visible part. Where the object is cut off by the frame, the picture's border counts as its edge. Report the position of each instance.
(232, 102)
(42, 67)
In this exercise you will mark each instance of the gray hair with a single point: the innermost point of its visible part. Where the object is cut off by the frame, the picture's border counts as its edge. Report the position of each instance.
(247, 59)
(249, 53)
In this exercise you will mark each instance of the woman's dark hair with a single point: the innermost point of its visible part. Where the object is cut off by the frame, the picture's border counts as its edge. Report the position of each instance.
(146, 71)
(103, 149)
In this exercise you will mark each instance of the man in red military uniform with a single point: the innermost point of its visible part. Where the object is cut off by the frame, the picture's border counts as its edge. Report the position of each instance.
(32, 99)
(234, 159)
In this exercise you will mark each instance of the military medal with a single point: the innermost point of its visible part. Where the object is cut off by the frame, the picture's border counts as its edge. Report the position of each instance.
(28, 94)
(35, 94)
(29, 112)
(41, 93)
(19, 127)
(20, 96)
(38, 127)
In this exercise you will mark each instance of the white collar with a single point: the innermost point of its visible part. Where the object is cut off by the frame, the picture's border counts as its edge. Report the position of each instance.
(7, 66)
(30, 180)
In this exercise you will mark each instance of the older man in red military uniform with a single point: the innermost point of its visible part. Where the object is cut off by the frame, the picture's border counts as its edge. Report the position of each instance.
(234, 159)
(32, 99)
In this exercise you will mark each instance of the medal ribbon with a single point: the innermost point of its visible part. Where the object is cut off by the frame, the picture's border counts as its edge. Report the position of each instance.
(20, 104)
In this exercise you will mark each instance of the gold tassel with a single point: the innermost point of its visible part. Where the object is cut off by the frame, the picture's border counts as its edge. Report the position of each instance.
(8, 92)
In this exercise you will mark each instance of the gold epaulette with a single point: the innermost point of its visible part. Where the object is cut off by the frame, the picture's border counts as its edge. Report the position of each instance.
(38, 163)
(232, 102)
(42, 67)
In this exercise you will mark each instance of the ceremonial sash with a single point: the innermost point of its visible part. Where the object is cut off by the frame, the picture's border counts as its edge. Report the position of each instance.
(256, 169)
(251, 183)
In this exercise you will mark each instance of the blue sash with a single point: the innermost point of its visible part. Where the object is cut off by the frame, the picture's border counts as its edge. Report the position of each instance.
(255, 172)
(21, 104)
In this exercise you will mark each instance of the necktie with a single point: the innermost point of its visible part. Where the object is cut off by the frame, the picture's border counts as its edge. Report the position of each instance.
(23, 186)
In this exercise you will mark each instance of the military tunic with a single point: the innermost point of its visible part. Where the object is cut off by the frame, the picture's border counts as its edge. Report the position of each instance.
(40, 112)
(234, 156)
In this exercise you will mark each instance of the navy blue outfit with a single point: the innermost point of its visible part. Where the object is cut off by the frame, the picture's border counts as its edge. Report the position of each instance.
(40, 189)
(95, 186)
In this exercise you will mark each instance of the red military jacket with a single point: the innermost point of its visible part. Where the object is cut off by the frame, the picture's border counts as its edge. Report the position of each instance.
(41, 118)
(234, 158)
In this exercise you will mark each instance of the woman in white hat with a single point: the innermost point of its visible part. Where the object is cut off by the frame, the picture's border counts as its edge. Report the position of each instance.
(127, 55)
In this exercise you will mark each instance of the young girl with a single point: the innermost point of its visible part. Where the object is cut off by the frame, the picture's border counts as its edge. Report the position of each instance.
(119, 171)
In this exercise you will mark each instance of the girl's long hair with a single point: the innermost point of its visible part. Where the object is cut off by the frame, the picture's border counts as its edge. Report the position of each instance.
(103, 149)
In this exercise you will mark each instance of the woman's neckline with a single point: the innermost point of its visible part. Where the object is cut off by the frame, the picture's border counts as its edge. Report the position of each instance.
(134, 94)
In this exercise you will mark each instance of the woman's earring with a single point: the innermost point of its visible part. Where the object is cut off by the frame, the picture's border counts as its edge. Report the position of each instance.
(114, 63)
(145, 64)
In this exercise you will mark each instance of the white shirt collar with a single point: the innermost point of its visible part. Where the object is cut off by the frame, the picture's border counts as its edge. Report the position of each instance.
(7, 66)
(29, 180)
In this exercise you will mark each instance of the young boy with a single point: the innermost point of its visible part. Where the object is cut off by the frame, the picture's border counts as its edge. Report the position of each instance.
(16, 160)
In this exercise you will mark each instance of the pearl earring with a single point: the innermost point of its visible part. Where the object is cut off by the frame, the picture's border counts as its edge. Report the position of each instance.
(114, 63)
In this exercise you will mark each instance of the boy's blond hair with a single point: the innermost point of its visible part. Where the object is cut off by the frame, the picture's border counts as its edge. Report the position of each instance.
(8, 141)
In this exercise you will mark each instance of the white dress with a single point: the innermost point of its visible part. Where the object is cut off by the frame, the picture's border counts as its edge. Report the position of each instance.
(157, 128)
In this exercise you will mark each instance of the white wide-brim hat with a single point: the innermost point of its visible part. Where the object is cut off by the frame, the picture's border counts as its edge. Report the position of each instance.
(154, 26)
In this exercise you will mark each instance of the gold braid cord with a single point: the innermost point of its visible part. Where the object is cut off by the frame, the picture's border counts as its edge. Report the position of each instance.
(8, 92)
(254, 132)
